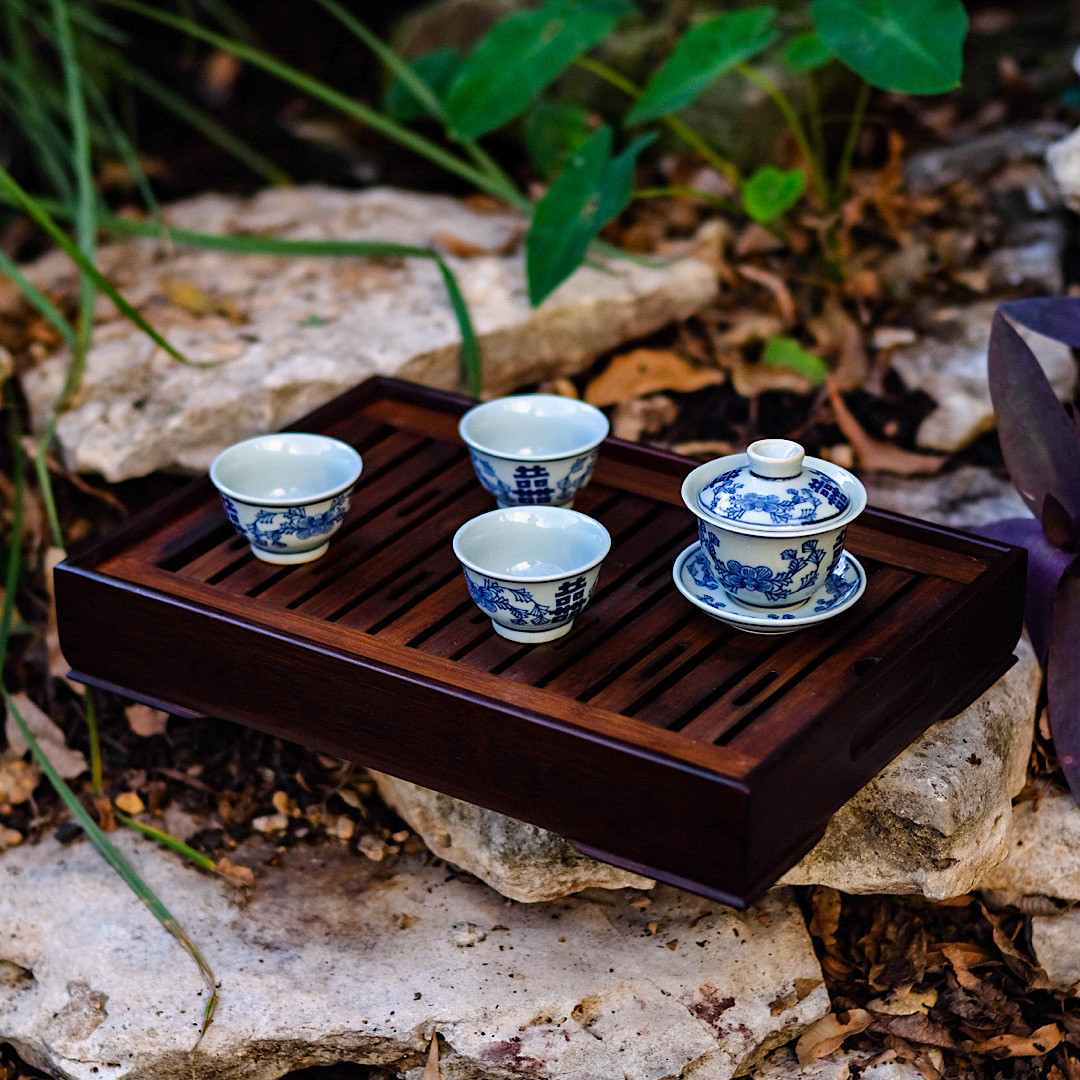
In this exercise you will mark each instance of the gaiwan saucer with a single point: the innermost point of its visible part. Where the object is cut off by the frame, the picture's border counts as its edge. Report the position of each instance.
(696, 580)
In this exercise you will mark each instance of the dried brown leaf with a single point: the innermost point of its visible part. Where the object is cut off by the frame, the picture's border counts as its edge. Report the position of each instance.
(876, 455)
(432, 1070)
(18, 779)
(826, 903)
(916, 1028)
(243, 877)
(829, 1033)
(1036, 1044)
(781, 293)
(67, 762)
(130, 803)
(904, 1001)
(145, 721)
(641, 372)
(58, 666)
(635, 419)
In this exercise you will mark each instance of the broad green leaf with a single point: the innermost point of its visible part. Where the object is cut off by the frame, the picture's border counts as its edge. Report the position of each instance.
(437, 68)
(553, 131)
(703, 54)
(787, 352)
(519, 58)
(592, 189)
(771, 191)
(806, 53)
(909, 46)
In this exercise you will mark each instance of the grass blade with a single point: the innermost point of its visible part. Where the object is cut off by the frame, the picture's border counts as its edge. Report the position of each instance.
(86, 193)
(36, 297)
(197, 858)
(14, 193)
(258, 245)
(117, 861)
(320, 91)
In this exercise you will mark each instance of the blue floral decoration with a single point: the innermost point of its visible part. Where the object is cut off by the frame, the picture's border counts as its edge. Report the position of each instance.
(522, 607)
(269, 528)
(726, 497)
(774, 585)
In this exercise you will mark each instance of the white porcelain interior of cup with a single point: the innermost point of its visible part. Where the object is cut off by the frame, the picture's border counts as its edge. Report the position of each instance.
(286, 469)
(534, 427)
(534, 543)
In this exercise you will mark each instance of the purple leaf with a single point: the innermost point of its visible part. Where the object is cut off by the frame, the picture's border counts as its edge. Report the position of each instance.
(1063, 676)
(1045, 566)
(1056, 317)
(1058, 526)
(1039, 443)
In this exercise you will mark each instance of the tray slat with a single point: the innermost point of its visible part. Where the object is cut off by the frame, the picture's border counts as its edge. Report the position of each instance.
(652, 735)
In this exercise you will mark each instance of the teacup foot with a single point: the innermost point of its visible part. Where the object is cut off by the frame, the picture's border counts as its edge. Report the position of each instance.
(289, 557)
(512, 506)
(532, 637)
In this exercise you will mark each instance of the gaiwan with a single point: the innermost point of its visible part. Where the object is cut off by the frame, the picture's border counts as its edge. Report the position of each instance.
(771, 521)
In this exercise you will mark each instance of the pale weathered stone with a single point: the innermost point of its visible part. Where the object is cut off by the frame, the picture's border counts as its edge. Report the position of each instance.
(841, 1065)
(965, 498)
(338, 959)
(288, 334)
(1056, 942)
(1063, 157)
(1043, 852)
(936, 819)
(520, 860)
(951, 368)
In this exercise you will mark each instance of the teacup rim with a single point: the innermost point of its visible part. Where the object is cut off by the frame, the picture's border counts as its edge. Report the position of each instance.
(581, 406)
(542, 510)
(319, 495)
(699, 477)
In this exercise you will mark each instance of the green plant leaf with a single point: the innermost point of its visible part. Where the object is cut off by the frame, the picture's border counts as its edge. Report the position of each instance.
(772, 191)
(703, 54)
(787, 352)
(806, 53)
(908, 46)
(437, 69)
(593, 188)
(553, 131)
(519, 58)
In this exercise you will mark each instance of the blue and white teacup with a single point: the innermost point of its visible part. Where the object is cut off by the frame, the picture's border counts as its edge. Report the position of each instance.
(532, 569)
(534, 449)
(772, 522)
(287, 493)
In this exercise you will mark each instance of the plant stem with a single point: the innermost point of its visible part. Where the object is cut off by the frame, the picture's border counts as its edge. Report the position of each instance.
(850, 142)
(97, 784)
(721, 164)
(14, 558)
(791, 117)
(679, 191)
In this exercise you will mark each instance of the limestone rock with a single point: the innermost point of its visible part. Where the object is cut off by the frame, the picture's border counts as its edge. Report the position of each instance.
(1063, 157)
(841, 1065)
(339, 959)
(972, 157)
(1056, 942)
(965, 498)
(951, 368)
(286, 335)
(1044, 851)
(521, 860)
(936, 819)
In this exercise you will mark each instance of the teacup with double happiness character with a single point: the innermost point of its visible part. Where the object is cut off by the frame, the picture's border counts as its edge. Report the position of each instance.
(534, 449)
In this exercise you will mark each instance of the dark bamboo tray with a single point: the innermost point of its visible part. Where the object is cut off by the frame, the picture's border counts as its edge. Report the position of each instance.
(652, 737)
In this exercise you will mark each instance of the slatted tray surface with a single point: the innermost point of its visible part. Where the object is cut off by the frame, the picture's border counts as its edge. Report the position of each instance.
(652, 735)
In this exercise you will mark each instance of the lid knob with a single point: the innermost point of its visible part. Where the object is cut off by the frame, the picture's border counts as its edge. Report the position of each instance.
(775, 459)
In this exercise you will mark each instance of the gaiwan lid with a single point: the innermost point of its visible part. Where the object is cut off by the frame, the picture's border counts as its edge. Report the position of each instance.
(774, 489)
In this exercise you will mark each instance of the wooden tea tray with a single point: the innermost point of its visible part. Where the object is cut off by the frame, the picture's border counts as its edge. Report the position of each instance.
(652, 736)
